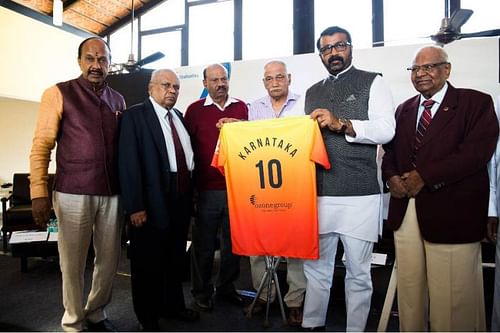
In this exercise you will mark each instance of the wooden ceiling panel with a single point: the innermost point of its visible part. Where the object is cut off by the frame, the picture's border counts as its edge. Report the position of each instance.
(87, 23)
(94, 16)
(90, 12)
(44, 7)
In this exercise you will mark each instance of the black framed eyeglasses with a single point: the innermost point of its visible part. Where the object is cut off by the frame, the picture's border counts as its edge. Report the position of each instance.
(427, 67)
(339, 47)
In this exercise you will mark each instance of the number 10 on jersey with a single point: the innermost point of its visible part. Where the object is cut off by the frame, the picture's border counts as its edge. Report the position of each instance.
(274, 175)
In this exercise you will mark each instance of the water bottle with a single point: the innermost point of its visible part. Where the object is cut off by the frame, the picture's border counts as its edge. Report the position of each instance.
(52, 226)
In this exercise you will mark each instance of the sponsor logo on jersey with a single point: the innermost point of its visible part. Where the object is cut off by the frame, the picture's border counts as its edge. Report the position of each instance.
(270, 205)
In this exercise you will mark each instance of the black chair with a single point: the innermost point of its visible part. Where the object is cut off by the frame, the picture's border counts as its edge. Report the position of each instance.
(16, 215)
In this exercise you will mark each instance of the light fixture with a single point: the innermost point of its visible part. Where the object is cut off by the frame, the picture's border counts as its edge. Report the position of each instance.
(57, 13)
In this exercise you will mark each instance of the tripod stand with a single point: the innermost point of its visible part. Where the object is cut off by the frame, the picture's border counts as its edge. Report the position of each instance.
(268, 279)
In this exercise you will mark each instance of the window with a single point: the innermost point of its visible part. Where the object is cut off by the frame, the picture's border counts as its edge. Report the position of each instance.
(267, 28)
(169, 13)
(404, 24)
(211, 37)
(119, 43)
(169, 43)
(355, 16)
(485, 16)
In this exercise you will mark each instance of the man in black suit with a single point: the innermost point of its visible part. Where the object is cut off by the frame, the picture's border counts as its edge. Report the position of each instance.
(155, 160)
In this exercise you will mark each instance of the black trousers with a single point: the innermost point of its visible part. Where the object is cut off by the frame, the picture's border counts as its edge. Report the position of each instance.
(157, 259)
(212, 215)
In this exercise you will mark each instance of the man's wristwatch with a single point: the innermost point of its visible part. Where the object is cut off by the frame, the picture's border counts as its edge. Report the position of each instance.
(344, 123)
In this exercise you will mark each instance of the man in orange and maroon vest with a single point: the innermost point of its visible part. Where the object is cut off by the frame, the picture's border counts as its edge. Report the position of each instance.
(82, 116)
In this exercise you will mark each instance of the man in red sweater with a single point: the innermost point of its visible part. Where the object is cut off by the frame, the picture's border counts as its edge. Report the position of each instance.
(212, 213)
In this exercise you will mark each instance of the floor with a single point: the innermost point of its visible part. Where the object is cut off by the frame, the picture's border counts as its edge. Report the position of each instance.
(31, 301)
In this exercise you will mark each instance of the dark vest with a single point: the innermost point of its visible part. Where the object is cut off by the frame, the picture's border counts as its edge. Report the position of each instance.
(87, 139)
(353, 169)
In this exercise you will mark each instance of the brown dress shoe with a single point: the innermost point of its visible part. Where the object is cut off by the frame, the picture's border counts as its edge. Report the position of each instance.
(259, 307)
(294, 316)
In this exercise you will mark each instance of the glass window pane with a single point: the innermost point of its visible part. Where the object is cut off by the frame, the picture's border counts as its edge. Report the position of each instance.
(355, 16)
(211, 33)
(485, 16)
(267, 28)
(119, 43)
(167, 14)
(169, 43)
(403, 26)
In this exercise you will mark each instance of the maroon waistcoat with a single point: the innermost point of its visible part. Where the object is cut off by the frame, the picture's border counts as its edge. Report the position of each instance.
(87, 139)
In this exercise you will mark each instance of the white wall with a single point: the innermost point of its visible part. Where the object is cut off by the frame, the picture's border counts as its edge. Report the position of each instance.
(18, 123)
(474, 65)
(34, 56)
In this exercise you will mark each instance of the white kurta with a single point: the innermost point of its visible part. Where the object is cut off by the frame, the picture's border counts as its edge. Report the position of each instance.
(358, 217)
(356, 221)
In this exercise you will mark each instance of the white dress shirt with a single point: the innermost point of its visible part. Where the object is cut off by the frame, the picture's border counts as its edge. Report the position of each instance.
(161, 113)
(438, 100)
(210, 101)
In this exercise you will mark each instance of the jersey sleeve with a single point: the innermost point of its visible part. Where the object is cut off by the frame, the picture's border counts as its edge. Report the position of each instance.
(219, 158)
(318, 151)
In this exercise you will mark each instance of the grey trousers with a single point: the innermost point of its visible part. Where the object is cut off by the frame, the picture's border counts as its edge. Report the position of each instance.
(294, 277)
(83, 218)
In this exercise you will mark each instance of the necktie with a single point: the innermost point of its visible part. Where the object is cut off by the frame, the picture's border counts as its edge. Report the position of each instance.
(423, 123)
(183, 176)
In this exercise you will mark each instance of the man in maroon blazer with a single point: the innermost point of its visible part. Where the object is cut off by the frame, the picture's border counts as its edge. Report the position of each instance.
(436, 171)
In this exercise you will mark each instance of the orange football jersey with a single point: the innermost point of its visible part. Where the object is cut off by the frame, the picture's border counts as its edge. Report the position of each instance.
(270, 172)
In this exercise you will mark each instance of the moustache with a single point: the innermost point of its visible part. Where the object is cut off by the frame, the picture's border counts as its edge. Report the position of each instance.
(96, 72)
(221, 88)
(335, 58)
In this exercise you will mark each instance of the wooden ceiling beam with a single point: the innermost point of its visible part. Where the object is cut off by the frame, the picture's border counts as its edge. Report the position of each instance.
(44, 18)
(68, 3)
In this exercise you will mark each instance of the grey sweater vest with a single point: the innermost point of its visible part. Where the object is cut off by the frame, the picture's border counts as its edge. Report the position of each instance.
(353, 169)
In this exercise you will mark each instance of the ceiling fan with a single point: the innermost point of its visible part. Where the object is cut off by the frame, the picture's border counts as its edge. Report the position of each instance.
(450, 28)
(132, 65)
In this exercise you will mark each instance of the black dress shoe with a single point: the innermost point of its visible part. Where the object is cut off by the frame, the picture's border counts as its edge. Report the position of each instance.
(102, 326)
(204, 303)
(231, 297)
(186, 315)
(149, 327)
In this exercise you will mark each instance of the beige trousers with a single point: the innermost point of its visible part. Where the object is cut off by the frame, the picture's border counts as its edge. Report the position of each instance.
(437, 283)
(82, 218)
(294, 277)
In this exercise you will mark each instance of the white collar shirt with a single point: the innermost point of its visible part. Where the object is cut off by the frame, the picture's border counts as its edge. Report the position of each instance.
(162, 113)
(229, 100)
